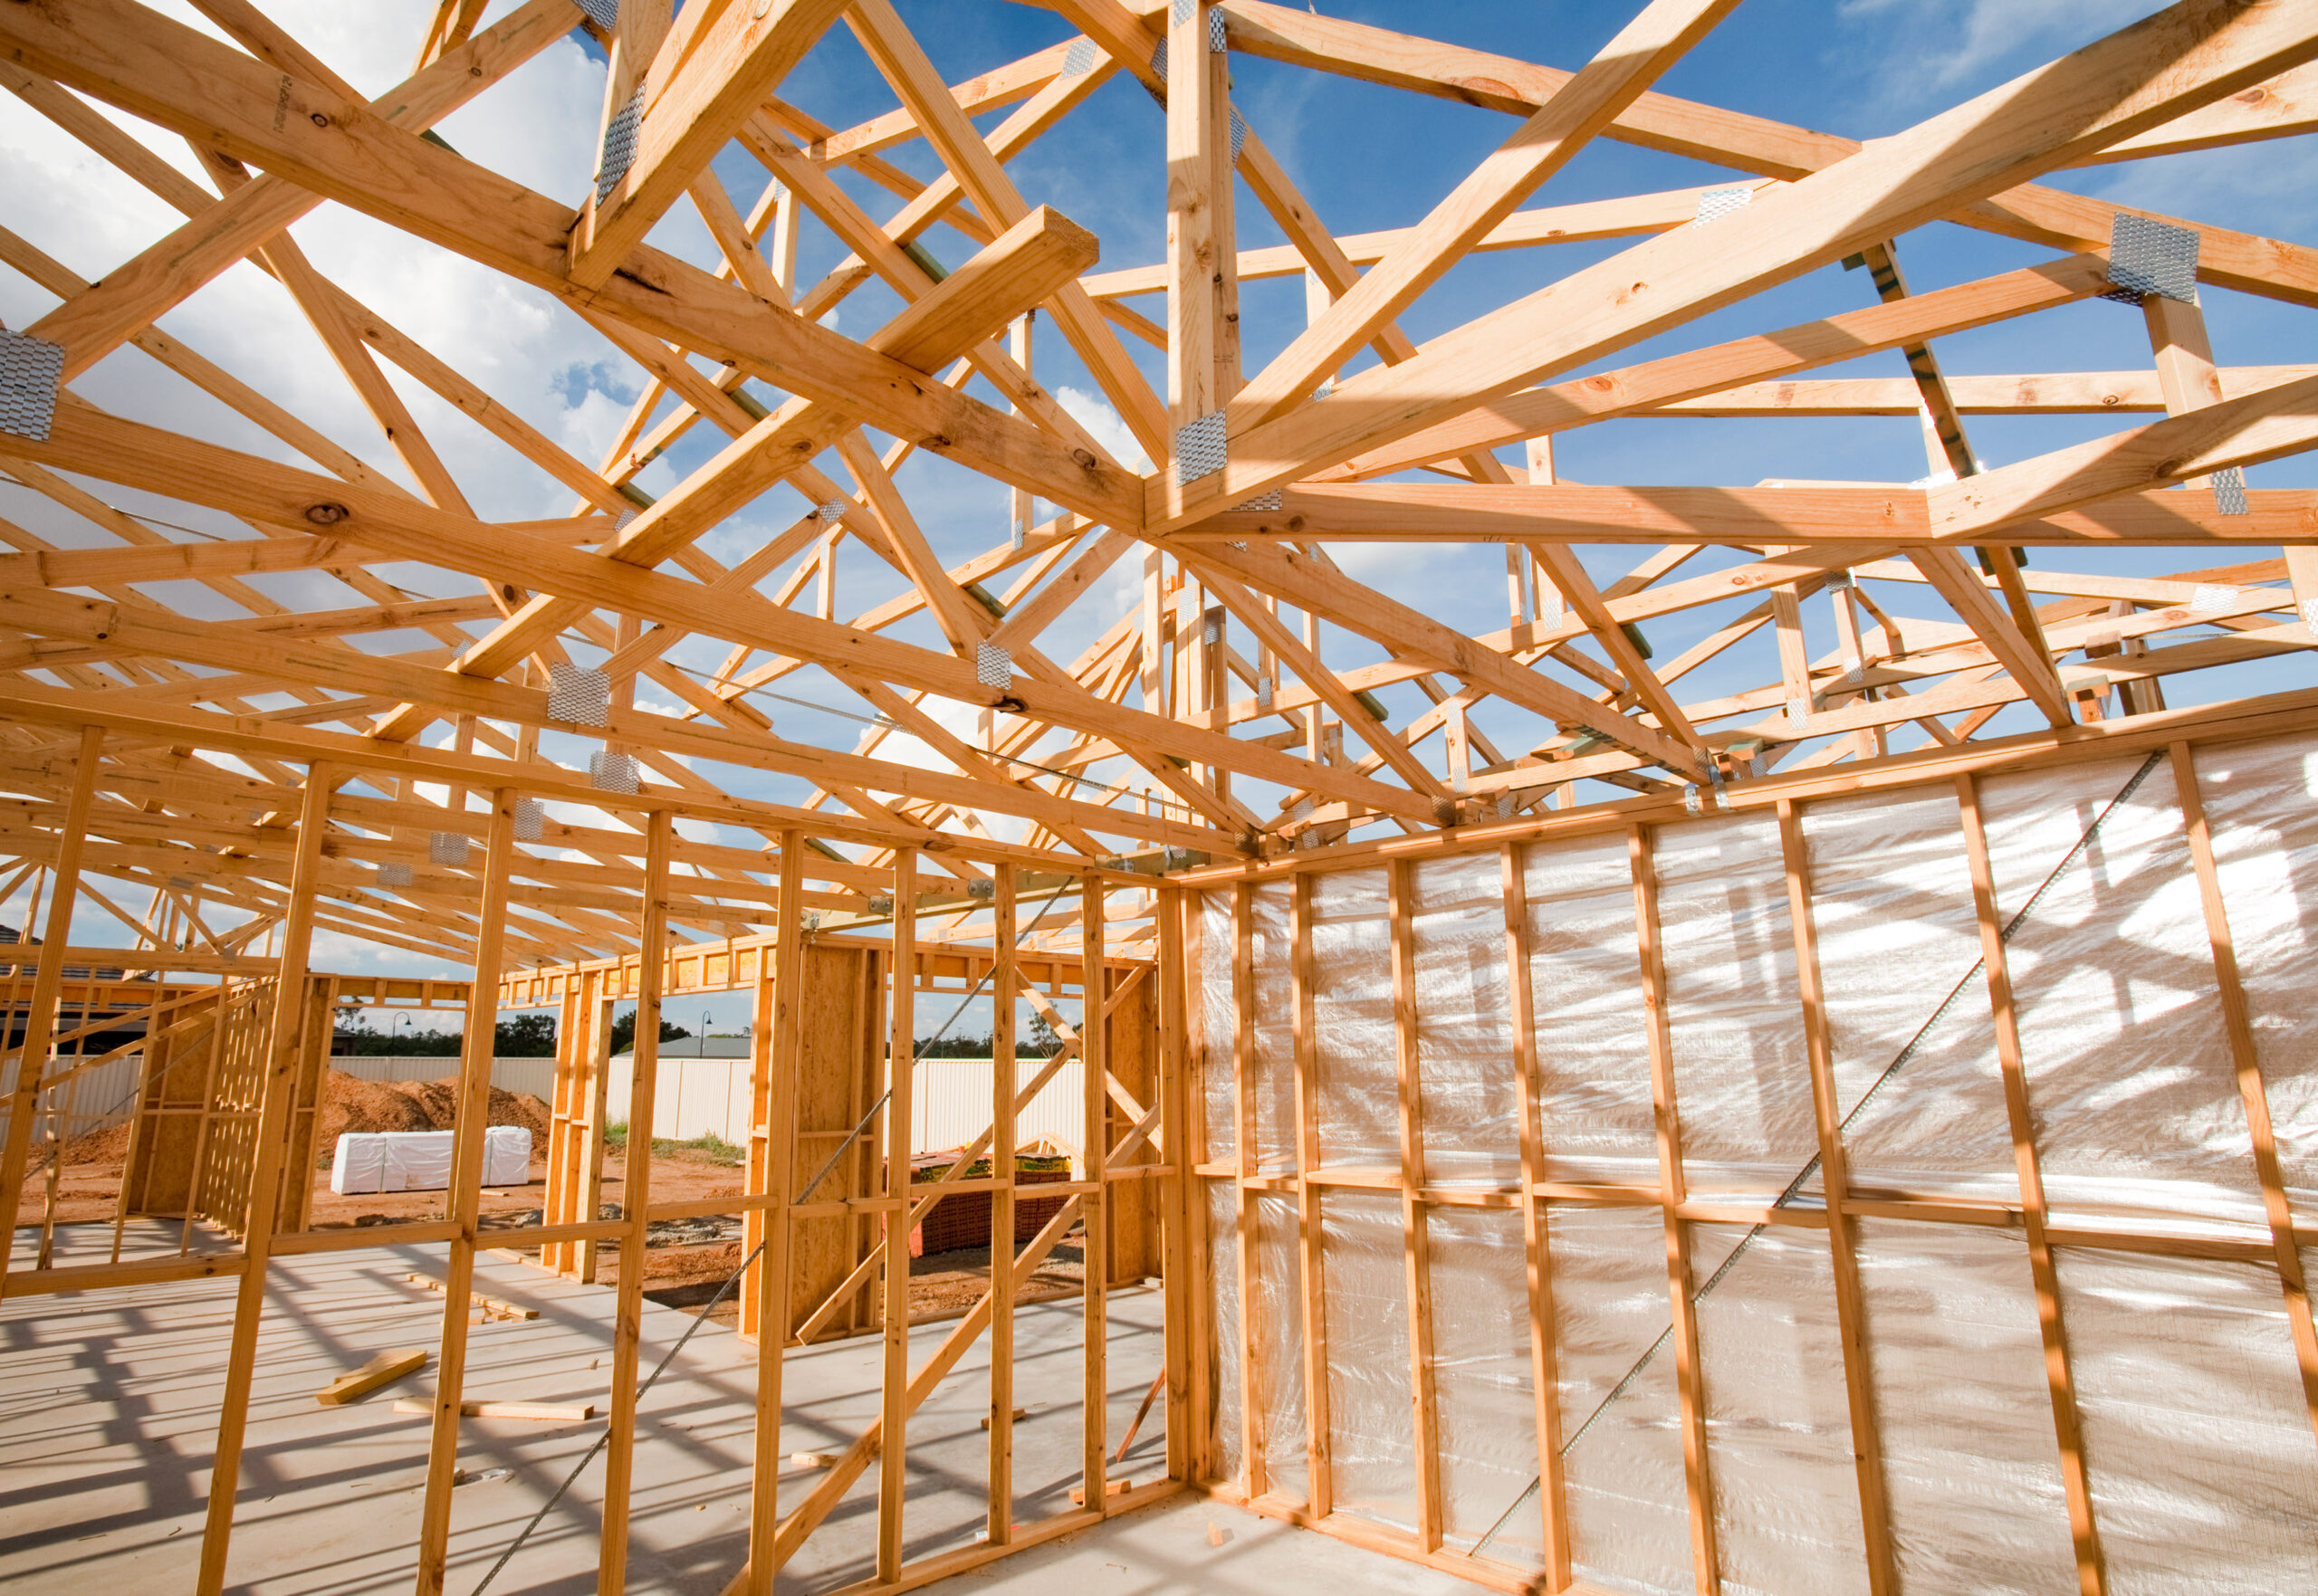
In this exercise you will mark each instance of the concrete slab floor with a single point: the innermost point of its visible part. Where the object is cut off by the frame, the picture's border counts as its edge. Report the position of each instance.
(109, 1415)
(1166, 1548)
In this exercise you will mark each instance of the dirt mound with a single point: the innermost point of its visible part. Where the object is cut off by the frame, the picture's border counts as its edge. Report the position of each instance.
(364, 1107)
(108, 1146)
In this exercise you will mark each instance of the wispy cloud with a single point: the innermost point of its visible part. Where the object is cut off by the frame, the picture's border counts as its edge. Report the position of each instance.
(1924, 52)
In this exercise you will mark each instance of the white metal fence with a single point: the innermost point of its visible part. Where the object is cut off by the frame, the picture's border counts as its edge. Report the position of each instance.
(949, 1107)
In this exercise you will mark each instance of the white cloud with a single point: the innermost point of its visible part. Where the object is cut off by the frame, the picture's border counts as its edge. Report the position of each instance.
(1948, 43)
(1094, 413)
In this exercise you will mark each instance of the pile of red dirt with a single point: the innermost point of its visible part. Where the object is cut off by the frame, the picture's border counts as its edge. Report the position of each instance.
(107, 1146)
(364, 1107)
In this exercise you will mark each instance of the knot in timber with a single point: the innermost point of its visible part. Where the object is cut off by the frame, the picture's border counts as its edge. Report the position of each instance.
(1085, 457)
(327, 514)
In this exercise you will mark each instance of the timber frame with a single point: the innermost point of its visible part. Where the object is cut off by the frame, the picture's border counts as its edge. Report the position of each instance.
(311, 689)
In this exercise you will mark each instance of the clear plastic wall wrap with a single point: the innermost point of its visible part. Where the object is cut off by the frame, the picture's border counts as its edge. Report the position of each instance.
(1372, 1447)
(2203, 1468)
(1592, 1024)
(1742, 1083)
(2261, 802)
(2196, 1441)
(1280, 1347)
(1357, 1092)
(1621, 1458)
(1219, 1023)
(1470, 1103)
(1224, 1405)
(1272, 1085)
(2136, 1108)
(1777, 1422)
(1891, 907)
(1971, 1470)
(1483, 1396)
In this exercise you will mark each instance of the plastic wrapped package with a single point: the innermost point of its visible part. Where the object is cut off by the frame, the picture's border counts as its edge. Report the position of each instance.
(1218, 1022)
(1224, 1404)
(1486, 1412)
(2196, 1441)
(2261, 803)
(1897, 938)
(1471, 1101)
(2136, 1107)
(1742, 1082)
(1280, 1347)
(1372, 1447)
(1272, 1083)
(1621, 1457)
(1778, 1423)
(1357, 1093)
(1593, 1028)
(1971, 1468)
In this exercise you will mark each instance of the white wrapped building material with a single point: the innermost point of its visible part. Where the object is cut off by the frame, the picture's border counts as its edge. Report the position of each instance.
(2197, 1438)
(1898, 937)
(1970, 1466)
(2138, 1114)
(1280, 1347)
(1483, 1392)
(1273, 1083)
(1216, 1024)
(1224, 1405)
(1352, 1015)
(2197, 1443)
(1592, 1025)
(1371, 1442)
(1734, 1012)
(1471, 1112)
(420, 1161)
(1622, 1437)
(2261, 800)
(1778, 1431)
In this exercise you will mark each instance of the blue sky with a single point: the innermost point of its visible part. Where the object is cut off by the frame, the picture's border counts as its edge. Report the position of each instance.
(1367, 157)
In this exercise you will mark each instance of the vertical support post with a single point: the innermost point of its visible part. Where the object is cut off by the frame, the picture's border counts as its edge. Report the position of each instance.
(1204, 1350)
(1544, 1376)
(1194, 334)
(2248, 1064)
(781, 244)
(779, 1179)
(1308, 1196)
(1414, 1254)
(40, 1016)
(1094, 1065)
(598, 1099)
(1689, 1373)
(999, 1527)
(475, 1050)
(1866, 1444)
(1017, 344)
(635, 1201)
(1179, 1190)
(2092, 1578)
(1867, 742)
(901, 1064)
(266, 1167)
(1249, 1372)
(560, 1205)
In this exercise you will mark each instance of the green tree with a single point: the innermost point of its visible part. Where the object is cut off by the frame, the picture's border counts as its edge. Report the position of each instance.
(527, 1035)
(624, 1032)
